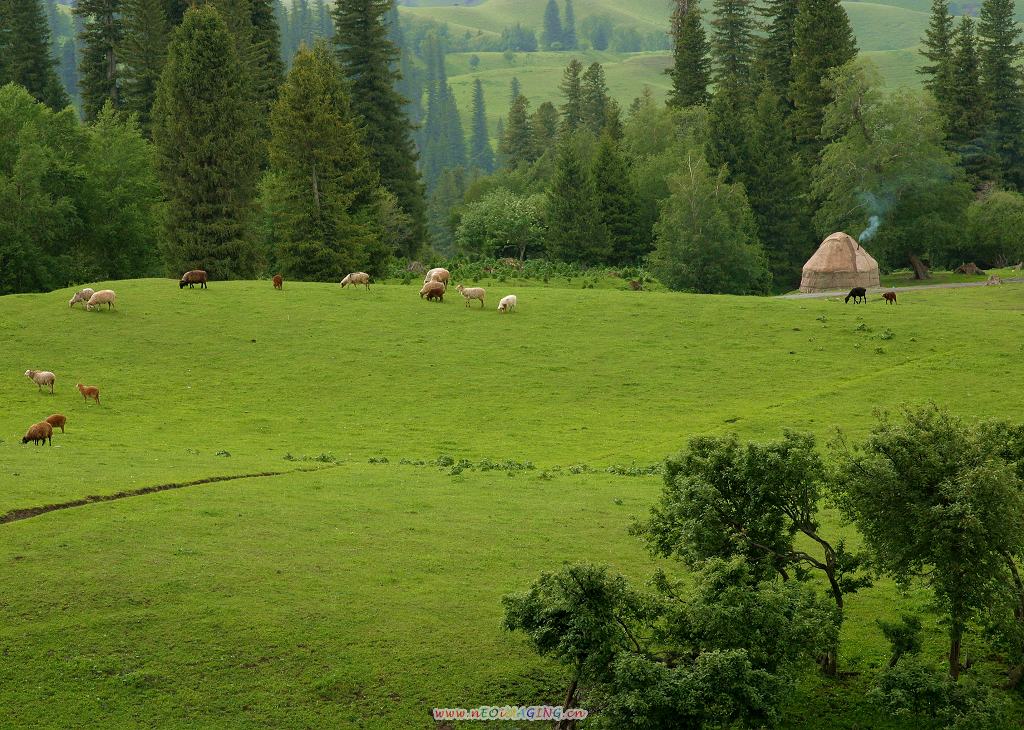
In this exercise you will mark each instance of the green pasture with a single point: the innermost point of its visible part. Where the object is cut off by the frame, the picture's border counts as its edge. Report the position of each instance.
(347, 593)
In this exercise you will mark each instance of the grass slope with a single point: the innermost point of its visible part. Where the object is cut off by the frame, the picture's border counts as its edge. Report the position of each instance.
(362, 595)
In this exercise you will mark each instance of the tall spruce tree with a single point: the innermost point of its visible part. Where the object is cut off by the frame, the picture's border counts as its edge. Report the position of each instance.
(572, 90)
(143, 52)
(284, 28)
(544, 127)
(691, 64)
(98, 73)
(517, 146)
(409, 85)
(481, 156)
(324, 184)
(823, 41)
(777, 191)
(175, 10)
(266, 40)
(552, 36)
(515, 89)
(969, 110)
(575, 232)
(206, 136)
(937, 48)
(777, 45)
(594, 99)
(1001, 50)
(732, 45)
(569, 40)
(617, 204)
(25, 52)
(370, 62)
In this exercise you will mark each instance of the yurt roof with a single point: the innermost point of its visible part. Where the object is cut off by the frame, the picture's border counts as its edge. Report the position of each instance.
(840, 252)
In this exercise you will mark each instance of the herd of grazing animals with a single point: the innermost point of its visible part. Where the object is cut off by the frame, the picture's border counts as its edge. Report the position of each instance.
(42, 432)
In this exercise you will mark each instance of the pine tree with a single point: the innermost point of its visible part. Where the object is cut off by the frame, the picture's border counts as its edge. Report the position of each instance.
(969, 112)
(572, 90)
(98, 78)
(454, 133)
(266, 40)
(575, 232)
(69, 66)
(515, 89)
(322, 25)
(517, 144)
(369, 60)
(569, 40)
(777, 190)
(552, 36)
(938, 49)
(444, 144)
(25, 52)
(205, 132)
(324, 185)
(499, 134)
(447, 194)
(732, 46)
(409, 85)
(776, 53)
(544, 127)
(143, 52)
(481, 156)
(1000, 52)
(691, 67)
(284, 27)
(175, 11)
(823, 42)
(301, 24)
(594, 99)
(617, 204)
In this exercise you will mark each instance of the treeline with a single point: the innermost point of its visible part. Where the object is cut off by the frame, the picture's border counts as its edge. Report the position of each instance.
(763, 583)
(198, 152)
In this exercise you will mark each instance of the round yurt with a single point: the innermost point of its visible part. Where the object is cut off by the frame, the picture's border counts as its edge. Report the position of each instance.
(839, 263)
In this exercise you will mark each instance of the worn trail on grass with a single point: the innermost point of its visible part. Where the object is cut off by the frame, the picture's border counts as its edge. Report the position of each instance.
(25, 513)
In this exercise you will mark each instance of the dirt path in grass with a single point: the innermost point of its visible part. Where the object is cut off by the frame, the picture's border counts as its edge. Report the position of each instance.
(898, 289)
(25, 513)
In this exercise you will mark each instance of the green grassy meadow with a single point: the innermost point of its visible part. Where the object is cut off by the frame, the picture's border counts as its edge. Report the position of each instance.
(345, 593)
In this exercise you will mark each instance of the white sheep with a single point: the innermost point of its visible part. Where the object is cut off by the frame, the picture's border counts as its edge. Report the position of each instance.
(359, 277)
(473, 292)
(81, 296)
(441, 275)
(41, 378)
(507, 304)
(105, 296)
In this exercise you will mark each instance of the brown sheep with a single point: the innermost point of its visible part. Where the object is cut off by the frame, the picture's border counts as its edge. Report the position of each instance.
(39, 433)
(890, 297)
(190, 278)
(57, 421)
(433, 290)
(88, 392)
(278, 282)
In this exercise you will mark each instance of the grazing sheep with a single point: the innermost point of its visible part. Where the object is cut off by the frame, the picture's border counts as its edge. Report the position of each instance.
(507, 304)
(81, 296)
(191, 278)
(441, 275)
(473, 292)
(993, 281)
(39, 433)
(890, 297)
(88, 392)
(278, 282)
(358, 277)
(858, 292)
(105, 296)
(57, 421)
(433, 290)
(41, 378)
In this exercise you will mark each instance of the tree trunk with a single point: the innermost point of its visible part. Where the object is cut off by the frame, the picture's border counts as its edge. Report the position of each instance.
(920, 270)
(955, 634)
(570, 697)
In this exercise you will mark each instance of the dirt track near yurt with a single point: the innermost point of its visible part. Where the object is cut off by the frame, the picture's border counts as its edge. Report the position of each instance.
(898, 289)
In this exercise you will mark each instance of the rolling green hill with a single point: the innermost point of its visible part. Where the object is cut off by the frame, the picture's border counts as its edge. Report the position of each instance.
(887, 32)
(356, 582)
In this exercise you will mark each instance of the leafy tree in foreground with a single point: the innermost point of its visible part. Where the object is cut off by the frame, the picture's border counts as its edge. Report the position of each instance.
(706, 238)
(205, 130)
(937, 500)
(994, 222)
(326, 184)
(723, 499)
